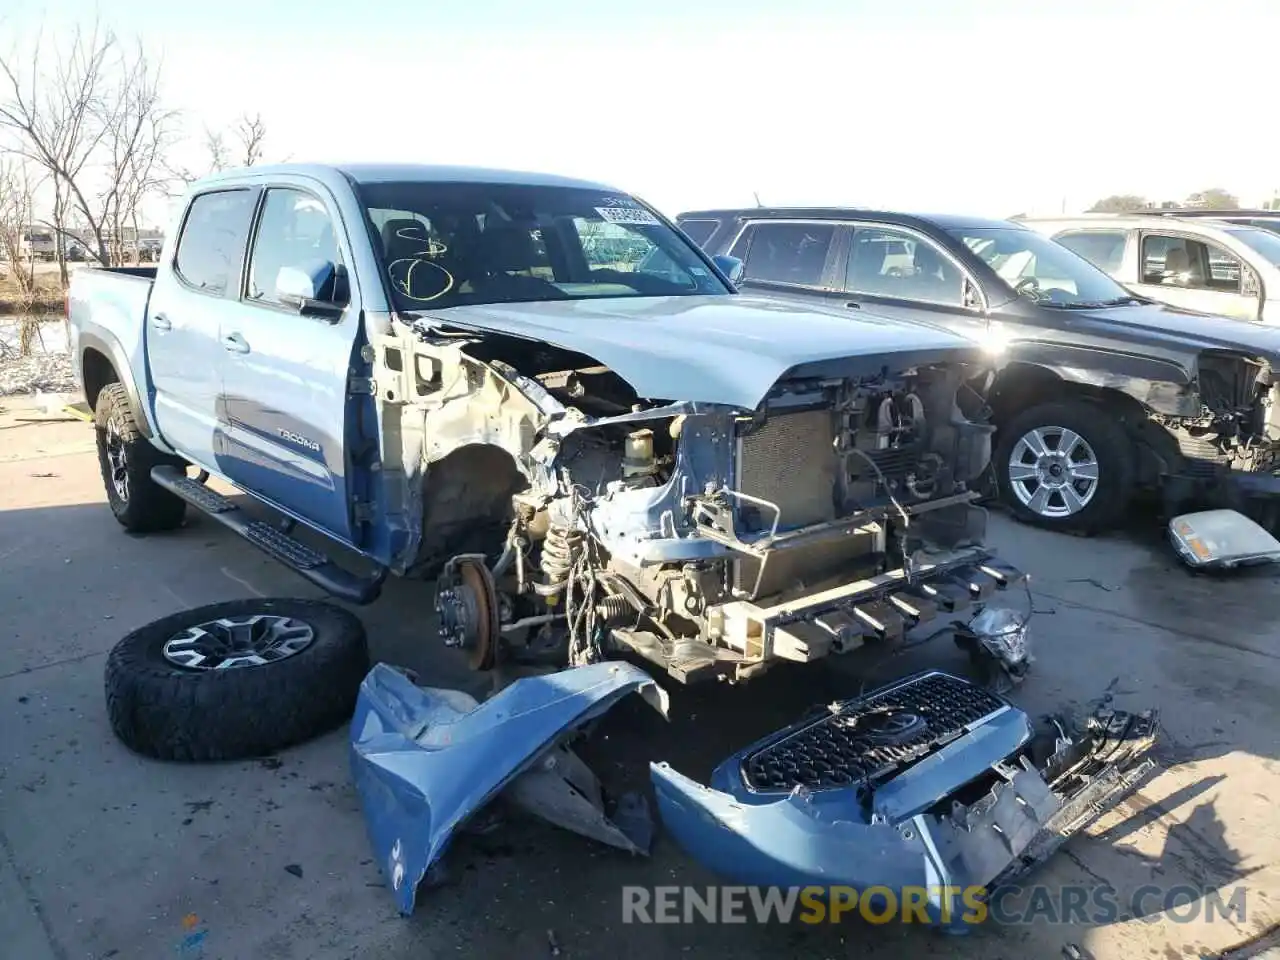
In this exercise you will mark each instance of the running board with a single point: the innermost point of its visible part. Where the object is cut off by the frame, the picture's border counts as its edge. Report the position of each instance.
(307, 562)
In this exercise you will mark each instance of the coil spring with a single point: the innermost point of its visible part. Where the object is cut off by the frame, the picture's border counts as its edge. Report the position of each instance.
(615, 610)
(559, 548)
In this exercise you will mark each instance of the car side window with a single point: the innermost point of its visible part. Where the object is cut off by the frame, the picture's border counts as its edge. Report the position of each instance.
(785, 252)
(294, 231)
(1191, 264)
(1103, 248)
(885, 262)
(699, 231)
(211, 246)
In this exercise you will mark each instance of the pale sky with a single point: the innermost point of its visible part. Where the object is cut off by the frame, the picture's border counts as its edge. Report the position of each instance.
(982, 106)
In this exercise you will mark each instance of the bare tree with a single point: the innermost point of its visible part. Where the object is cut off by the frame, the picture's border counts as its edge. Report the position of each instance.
(249, 135)
(216, 144)
(95, 123)
(252, 133)
(16, 193)
(138, 132)
(55, 117)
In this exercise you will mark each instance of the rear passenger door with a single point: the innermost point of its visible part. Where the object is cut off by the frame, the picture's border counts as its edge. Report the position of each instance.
(192, 294)
(1196, 274)
(287, 368)
(898, 272)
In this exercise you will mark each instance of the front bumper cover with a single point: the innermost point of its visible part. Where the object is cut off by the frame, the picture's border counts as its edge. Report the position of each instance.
(908, 832)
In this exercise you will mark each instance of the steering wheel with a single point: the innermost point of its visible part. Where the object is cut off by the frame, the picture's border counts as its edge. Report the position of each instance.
(1027, 285)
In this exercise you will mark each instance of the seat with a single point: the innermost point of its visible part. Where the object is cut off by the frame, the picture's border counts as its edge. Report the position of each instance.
(1178, 270)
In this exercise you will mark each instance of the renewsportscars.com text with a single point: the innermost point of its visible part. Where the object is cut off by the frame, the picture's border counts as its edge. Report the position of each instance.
(1096, 904)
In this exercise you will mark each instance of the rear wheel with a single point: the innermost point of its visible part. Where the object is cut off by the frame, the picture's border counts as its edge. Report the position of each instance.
(126, 458)
(1065, 465)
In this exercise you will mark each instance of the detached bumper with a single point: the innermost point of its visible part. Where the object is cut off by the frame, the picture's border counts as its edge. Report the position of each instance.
(866, 795)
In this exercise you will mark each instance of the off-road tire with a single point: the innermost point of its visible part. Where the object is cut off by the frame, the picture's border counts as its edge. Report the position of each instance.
(1112, 449)
(147, 507)
(170, 712)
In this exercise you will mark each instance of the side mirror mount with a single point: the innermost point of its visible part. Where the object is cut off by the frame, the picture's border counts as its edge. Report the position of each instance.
(731, 267)
(317, 289)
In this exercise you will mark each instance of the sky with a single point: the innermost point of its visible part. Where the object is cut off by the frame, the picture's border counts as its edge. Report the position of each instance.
(987, 107)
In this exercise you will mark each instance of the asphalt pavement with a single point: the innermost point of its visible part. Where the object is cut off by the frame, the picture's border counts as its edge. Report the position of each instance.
(104, 854)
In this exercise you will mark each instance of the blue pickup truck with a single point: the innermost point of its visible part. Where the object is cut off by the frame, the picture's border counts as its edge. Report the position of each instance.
(539, 393)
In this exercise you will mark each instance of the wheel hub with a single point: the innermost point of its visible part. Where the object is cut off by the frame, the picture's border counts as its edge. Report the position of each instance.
(231, 642)
(468, 611)
(117, 459)
(1053, 471)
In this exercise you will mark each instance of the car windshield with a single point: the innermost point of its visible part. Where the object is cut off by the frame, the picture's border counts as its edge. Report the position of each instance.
(1041, 270)
(1265, 243)
(456, 244)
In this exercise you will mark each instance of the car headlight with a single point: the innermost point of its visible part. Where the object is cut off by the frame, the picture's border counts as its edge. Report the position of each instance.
(1003, 632)
(1221, 538)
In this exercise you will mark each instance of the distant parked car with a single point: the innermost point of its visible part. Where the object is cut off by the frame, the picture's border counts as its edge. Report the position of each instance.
(1262, 219)
(1098, 392)
(1198, 263)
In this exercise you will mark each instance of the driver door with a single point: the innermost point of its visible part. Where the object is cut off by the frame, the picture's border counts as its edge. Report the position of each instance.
(285, 381)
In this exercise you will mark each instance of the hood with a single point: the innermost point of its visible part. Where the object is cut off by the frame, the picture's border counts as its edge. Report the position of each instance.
(1158, 324)
(728, 349)
(426, 760)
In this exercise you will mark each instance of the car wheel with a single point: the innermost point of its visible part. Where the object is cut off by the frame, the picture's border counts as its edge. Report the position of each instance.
(235, 680)
(126, 458)
(1065, 465)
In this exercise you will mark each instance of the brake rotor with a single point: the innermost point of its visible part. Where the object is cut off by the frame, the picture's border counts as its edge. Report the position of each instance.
(483, 649)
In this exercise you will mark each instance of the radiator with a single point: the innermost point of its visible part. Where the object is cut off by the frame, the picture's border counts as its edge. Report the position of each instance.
(791, 461)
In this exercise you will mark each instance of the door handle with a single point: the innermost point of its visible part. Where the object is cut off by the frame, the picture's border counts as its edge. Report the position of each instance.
(235, 343)
(161, 322)
(854, 305)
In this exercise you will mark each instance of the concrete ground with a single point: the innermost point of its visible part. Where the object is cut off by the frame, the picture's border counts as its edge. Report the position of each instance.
(105, 854)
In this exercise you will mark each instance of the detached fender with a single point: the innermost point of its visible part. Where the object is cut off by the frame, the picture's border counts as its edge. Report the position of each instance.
(425, 760)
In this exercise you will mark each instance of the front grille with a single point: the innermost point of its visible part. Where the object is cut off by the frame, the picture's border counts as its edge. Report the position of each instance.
(790, 460)
(867, 740)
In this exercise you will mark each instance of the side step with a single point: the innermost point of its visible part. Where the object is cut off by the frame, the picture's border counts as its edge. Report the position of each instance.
(303, 560)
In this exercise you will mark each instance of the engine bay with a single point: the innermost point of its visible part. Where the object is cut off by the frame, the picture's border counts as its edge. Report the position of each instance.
(696, 537)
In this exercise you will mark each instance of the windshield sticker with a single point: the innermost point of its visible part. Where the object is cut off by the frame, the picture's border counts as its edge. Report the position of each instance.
(621, 214)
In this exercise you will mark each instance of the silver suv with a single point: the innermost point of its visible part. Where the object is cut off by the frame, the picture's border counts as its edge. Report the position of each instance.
(1202, 264)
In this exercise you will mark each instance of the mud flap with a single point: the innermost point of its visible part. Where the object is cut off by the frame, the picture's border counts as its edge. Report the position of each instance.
(426, 760)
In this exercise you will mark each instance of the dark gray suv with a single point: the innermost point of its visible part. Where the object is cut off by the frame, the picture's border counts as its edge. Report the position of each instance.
(1097, 392)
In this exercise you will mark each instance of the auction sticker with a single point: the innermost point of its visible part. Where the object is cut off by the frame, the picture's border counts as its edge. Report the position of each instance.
(626, 215)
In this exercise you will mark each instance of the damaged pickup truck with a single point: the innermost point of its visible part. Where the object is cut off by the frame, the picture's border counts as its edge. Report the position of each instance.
(467, 375)
(542, 394)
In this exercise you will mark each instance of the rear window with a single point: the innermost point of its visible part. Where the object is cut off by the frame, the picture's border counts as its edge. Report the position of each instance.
(1104, 249)
(211, 247)
(785, 252)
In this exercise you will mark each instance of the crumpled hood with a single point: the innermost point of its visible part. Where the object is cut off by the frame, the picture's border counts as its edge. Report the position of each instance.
(728, 349)
(1162, 324)
(424, 760)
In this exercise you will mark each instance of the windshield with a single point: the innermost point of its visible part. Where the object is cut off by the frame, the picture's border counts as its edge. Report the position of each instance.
(455, 244)
(1041, 270)
(1265, 243)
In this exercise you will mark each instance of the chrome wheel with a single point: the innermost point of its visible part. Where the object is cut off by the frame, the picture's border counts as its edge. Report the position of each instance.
(1053, 471)
(117, 459)
(250, 641)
